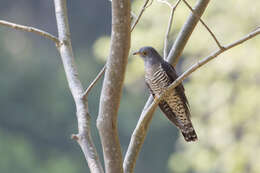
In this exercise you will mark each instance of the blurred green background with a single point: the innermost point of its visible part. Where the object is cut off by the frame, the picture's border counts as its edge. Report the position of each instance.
(37, 113)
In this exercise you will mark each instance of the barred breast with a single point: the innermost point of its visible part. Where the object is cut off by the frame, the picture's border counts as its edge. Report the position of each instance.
(158, 81)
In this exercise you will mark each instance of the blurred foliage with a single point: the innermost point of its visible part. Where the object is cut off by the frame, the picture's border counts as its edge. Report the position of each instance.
(38, 113)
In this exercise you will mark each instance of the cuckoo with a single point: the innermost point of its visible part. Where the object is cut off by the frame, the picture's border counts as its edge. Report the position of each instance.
(159, 74)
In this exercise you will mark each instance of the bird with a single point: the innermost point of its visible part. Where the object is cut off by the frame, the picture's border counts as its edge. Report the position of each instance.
(159, 74)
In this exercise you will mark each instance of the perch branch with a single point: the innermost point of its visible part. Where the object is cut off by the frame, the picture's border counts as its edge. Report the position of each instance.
(30, 29)
(113, 85)
(166, 40)
(140, 131)
(185, 33)
(205, 60)
(83, 137)
(138, 136)
(205, 25)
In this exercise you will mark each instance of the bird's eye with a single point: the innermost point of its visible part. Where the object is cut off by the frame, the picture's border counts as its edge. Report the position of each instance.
(144, 53)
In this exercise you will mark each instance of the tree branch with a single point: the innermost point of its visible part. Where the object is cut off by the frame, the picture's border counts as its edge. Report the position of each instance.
(30, 29)
(65, 49)
(102, 71)
(166, 40)
(138, 136)
(100, 74)
(202, 62)
(165, 2)
(141, 13)
(112, 86)
(206, 60)
(205, 25)
(185, 32)
(139, 133)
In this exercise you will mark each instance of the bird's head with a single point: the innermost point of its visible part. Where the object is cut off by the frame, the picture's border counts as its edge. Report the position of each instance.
(148, 53)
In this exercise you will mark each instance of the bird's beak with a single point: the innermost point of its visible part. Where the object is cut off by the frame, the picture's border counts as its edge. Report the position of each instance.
(136, 53)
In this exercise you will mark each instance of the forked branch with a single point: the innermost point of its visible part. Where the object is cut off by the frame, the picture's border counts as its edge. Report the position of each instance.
(83, 137)
(63, 44)
(139, 134)
(166, 40)
(186, 31)
(140, 131)
(205, 60)
(204, 24)
(102, 71)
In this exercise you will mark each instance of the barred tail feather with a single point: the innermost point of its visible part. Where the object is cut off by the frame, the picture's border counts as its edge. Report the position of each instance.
(189, 134)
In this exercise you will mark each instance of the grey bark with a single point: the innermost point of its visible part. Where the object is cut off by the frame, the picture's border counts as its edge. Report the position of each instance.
(112, 86)
(65, 49)
(186, 32)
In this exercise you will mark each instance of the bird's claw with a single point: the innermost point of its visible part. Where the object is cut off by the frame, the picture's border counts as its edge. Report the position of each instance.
(156, 99)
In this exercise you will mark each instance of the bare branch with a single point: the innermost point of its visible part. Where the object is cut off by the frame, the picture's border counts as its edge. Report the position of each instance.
(138, 136)
(165, 2)
(100, 74)
(102, 71)
(65, 49)
(141, 13)
(166, 40)
(205, 25)
(185, 32)
(140, 131)
(30, 29)
(113, 85)
(205, 61)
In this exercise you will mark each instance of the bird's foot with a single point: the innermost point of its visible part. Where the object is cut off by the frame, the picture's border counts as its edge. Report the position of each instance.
(156, 99)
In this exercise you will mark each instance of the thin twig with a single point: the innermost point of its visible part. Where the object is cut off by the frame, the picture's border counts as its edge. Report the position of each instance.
(83, 137)
(102, 71)
(205, 25)
(30, 29)
(205, 61)
(165, 2)
(185, 32)
(100, 74)
(140, 131)
(141, 13)
(166, 40)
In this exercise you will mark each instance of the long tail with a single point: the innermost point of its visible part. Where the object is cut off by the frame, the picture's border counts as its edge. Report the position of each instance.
(189, 133)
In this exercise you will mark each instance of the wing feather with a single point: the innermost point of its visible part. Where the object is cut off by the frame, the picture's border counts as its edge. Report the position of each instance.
(170, 71)
(169, 113)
